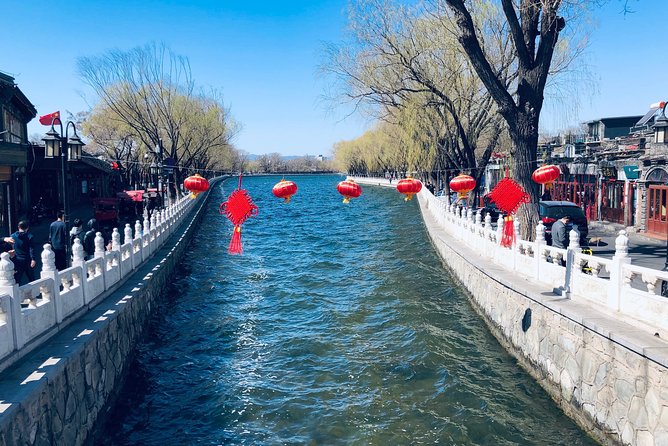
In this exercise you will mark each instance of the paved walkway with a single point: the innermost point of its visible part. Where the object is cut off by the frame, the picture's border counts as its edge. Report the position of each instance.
(644, 251)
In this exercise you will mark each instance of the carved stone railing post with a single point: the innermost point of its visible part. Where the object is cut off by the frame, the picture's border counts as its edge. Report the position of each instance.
(127, 234)
(116, 240)
(9, 286)
(99, 245)
(78, 255)
(620, 259)
(540, 255)
(48, 262)
(573, 247)
(499, 229)
(137, 229)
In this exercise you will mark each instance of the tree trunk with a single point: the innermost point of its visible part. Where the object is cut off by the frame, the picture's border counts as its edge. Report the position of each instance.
(525, 142)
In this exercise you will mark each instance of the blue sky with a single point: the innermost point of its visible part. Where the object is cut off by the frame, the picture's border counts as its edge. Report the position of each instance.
(263, 56)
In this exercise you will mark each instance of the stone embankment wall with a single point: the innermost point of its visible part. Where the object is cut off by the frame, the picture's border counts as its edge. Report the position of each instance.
(597, 376)
(606, 371)
(56, 394)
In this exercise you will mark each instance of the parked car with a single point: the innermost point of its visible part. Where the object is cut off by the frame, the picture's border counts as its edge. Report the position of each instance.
(551, 211)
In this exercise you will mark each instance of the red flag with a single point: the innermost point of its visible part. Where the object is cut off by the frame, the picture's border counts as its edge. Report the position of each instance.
(50, 118)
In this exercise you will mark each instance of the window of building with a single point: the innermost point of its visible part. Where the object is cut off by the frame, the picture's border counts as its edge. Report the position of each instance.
(15, 128)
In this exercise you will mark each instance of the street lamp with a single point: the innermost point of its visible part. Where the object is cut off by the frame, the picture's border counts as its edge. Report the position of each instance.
(68, 148)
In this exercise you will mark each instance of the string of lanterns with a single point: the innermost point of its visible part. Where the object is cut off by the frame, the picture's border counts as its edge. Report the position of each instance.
(508, 195)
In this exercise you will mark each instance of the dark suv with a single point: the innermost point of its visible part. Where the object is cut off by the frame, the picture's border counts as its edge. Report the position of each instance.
(551, 211)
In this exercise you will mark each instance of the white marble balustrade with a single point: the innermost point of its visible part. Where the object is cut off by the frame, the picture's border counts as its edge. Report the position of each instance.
(616, 283)
(39, 307)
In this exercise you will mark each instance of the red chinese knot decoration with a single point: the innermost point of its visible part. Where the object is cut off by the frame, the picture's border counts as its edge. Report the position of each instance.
(349, 189)
(462, 184)
(196, 184)
(285, 189)
(238, 208)
(409, 187)
(508, 195)
(546, 175)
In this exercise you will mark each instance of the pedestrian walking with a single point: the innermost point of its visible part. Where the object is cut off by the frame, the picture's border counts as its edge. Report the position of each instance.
(58, 240)
(76, 231)
(560, 232)
(24, 255)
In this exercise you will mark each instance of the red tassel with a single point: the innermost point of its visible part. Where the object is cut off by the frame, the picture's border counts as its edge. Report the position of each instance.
(508, 237)
(235, 243)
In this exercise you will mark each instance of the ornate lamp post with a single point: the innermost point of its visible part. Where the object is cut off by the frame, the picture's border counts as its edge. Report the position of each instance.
(68, 148)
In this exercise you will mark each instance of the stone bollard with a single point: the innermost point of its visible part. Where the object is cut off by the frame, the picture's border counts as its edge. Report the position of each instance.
(127, 232)
(516, 230)
(99, 245)
(115, 240)
(147, 225)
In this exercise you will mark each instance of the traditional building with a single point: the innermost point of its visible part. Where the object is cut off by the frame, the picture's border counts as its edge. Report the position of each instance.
(16, 111)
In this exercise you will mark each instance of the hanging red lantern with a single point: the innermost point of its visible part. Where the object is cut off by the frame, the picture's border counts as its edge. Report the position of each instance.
(546, 175)
(462, 184)
(349, 189)
(409, 187)
(196, 184)
(285, 189)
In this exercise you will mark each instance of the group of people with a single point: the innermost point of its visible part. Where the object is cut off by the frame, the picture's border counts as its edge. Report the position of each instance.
(21, 249)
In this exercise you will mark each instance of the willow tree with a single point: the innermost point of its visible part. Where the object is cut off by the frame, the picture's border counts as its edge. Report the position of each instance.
(151, 91)
(535, 27)
(404, 63)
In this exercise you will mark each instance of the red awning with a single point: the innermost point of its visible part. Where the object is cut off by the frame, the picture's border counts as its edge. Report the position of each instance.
(134, 195)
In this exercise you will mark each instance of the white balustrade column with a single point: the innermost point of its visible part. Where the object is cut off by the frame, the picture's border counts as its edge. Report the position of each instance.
(49, 271)
(137, 229)
(573, 247)
(9, 286)
(116, 240)
(499, 229)
(127, 234)
(620, 258)
(540, 256)
(99, 245)
(78, 255)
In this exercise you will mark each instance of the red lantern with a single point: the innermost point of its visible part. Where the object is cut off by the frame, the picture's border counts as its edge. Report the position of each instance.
(285, 189)
(409, 186)
(462, 184)
(196, 184)
(349, 189)
(546, 175)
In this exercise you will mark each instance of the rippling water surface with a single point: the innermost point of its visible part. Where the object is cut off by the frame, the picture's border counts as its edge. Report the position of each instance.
(337, 326)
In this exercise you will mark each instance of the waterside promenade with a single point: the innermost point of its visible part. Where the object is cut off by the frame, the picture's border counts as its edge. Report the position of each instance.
(66, 338)
(592, 333)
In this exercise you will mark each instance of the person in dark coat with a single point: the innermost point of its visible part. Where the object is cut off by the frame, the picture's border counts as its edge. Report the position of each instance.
(76, 231)
(560, 232)
(24, 254)
(58, 239)
(89, 238)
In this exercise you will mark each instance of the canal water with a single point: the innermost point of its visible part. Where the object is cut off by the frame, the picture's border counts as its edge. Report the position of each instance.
(337, 326)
